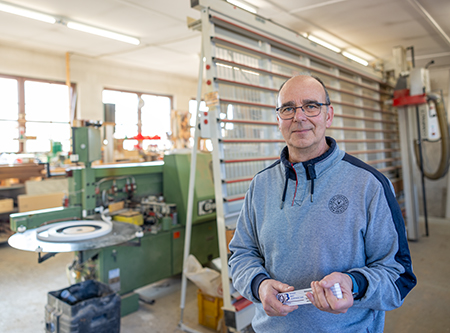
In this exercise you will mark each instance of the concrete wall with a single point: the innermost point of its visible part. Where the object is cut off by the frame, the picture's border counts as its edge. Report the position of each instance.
(92, 75)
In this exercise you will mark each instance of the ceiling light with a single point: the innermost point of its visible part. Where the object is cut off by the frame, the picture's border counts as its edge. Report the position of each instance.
(27, 13)
(355, 58)
(103, 33)
(323, 43)
(243, 5)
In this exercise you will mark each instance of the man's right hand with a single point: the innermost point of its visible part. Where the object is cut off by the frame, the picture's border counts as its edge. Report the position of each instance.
(268, 290)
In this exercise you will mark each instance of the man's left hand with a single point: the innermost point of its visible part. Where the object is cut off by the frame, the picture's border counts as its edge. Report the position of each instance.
(323, 298)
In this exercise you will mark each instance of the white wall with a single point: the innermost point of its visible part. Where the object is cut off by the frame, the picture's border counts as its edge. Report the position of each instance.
(439, 80)
(92, 75)
(436, 190)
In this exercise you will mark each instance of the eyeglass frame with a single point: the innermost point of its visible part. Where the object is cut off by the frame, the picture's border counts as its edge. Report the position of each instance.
(301, 107)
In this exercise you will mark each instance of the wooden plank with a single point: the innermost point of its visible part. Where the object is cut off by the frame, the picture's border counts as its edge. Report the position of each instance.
(21, 171)
(46, 186)
(115, 206)
(34, 202)
(6, 205)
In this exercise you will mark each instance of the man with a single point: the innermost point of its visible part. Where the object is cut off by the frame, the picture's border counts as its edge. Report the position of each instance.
(316, 217)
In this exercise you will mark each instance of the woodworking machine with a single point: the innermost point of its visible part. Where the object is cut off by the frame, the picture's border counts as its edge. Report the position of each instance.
(153, 199)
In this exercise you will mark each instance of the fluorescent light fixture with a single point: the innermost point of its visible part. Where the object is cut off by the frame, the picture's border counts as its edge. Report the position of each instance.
(355, 58)
(27, 13)
(243, 5)
(4, 7)
(324, 44)
(103, 33)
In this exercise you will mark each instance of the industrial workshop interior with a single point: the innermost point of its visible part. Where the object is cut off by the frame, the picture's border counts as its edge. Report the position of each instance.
(130, 131)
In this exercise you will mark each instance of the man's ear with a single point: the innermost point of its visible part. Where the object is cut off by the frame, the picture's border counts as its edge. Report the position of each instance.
(330, 116)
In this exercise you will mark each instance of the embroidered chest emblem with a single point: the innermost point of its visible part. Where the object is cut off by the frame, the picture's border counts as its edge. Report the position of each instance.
(338, 204)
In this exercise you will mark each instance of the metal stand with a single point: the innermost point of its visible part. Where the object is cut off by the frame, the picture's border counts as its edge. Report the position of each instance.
(187, 239)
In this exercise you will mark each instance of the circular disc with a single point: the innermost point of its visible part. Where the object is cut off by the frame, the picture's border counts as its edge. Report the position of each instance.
(120, 232)
(73, 231)
(78, 230)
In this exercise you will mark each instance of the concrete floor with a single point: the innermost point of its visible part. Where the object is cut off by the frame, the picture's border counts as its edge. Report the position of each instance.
(24, 285)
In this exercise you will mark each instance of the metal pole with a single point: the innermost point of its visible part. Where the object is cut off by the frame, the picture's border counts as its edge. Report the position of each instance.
(422, 174)
(421, 171)
(187, 238)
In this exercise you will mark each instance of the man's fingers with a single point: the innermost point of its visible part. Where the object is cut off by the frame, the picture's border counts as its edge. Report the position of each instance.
(268, 291)
(278, 309)
(319, 296)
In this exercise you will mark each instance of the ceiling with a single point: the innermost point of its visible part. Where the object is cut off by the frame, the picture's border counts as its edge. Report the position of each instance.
(369, 28)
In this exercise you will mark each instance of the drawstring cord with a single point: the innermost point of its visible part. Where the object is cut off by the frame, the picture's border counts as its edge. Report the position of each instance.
(284, 192)
(312, 176)
(296, 183)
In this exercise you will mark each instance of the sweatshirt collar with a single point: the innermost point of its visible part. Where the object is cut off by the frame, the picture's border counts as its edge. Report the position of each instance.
(309, 166)
(285, 155)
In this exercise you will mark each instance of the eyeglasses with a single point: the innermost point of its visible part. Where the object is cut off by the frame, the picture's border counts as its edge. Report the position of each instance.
(309, 109)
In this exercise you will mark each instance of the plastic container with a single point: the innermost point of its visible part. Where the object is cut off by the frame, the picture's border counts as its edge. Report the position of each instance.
(89, 306)
(209, 310)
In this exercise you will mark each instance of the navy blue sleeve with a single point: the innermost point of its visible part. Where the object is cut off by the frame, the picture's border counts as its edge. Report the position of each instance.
(256, 283)
(407, 280)
(361, 283)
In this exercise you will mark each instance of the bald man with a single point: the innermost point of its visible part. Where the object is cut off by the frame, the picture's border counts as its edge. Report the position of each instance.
(316, 217)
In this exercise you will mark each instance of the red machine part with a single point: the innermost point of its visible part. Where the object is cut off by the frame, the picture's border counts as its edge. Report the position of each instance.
(403, 98)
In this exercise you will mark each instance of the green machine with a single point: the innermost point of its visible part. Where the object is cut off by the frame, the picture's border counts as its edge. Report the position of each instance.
(157, 192)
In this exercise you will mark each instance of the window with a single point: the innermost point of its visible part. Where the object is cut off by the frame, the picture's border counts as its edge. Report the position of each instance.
(9, 115)
(33, 115)
(47, 116)
(126, 117)
(140, 113)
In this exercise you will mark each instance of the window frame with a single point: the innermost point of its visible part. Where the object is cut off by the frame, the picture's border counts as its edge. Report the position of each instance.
(22, 122)
(139, 108)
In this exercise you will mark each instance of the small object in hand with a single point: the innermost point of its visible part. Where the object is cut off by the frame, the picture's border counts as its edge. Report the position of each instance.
(298, 297)
(336, 290)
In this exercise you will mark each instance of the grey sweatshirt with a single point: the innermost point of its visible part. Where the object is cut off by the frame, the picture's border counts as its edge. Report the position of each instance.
(303, 221)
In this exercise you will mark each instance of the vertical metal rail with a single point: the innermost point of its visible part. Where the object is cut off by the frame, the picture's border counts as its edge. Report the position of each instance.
(187, 238)
(422, 173)
(214, 111)
(409, 189)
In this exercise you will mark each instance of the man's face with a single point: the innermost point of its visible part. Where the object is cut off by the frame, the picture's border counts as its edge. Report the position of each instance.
(304, 135)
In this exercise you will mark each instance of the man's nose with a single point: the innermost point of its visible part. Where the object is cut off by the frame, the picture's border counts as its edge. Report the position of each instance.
(299, 115)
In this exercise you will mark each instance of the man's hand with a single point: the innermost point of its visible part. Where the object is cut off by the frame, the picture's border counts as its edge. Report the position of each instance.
(268, 290)
(323, 298)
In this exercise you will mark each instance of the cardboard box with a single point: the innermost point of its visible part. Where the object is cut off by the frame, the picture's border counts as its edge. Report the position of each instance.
(6, 205)
(229, 233)
(27, 202)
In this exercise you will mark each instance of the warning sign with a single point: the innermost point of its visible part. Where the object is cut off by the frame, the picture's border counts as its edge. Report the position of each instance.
(212, 99)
